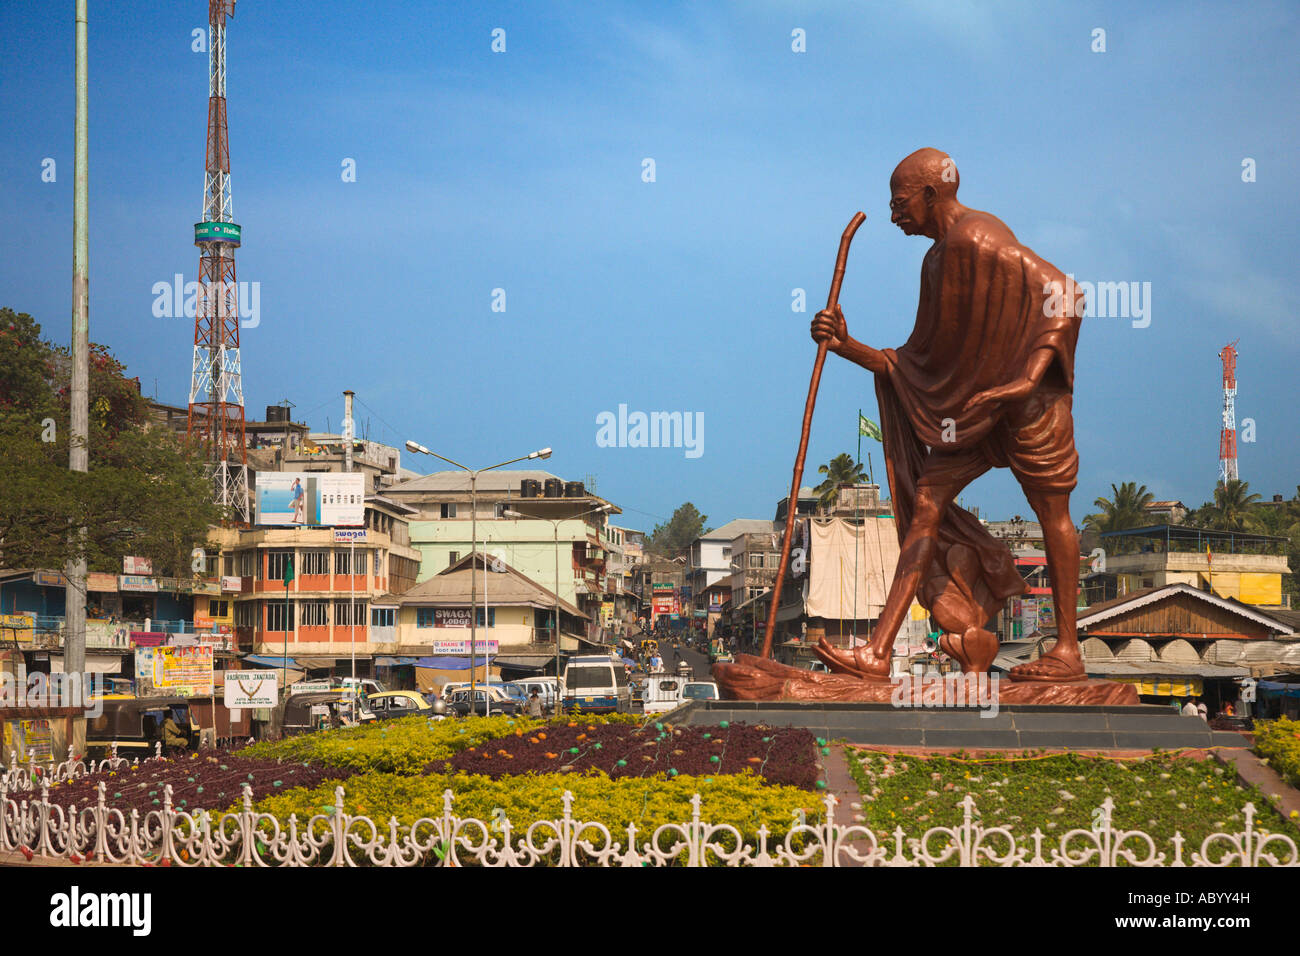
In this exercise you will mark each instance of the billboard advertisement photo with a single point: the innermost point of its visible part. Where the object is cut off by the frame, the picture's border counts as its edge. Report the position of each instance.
(311, 499)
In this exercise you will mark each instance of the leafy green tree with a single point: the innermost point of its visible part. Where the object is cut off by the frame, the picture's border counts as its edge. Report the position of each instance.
(840, 470)
(675, 536)
(1233, 508)
(145, 492)
(1126, 508)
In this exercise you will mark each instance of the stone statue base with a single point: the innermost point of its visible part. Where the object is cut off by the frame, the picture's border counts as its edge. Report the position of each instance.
(755, 678)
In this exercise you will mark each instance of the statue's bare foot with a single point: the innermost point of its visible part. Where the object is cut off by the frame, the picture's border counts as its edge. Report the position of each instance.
(859, 662)
(1057, 666)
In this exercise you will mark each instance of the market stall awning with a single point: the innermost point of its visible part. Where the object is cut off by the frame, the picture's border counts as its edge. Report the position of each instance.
(395, 661)
(261, 661)
(1148, 688)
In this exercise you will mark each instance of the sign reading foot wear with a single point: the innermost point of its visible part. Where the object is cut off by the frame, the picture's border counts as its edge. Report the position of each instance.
(251, 690)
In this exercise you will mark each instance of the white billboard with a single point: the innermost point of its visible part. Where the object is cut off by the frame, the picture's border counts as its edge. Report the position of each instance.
(250, 690)
(311, 499)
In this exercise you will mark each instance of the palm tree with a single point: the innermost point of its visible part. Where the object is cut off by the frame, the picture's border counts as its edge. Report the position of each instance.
(1126, 508)
(1233, 508)
(841, 470)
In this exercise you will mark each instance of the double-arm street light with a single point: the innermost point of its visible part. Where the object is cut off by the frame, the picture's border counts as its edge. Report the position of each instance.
(416, 447)
(555, 524)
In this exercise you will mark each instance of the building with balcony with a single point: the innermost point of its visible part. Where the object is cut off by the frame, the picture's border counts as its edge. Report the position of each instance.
(710, 567)
(325, 615)
(520, 614)
(1232, 564)
(533, 521)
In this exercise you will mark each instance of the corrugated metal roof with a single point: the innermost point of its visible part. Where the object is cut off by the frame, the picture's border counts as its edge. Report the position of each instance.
(1113, 608)
(1161, 669)
(734, 529)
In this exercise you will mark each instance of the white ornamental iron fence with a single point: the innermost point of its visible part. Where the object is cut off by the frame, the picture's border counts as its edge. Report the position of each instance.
(171, 837)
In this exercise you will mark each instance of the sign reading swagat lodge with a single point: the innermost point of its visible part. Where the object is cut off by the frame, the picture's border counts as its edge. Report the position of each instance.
(451, 616)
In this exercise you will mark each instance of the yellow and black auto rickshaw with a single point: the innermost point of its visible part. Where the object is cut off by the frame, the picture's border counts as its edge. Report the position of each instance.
(136, 725)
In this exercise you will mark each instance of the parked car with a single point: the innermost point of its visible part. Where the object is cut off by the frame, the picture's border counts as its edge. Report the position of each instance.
(700, 690)
(465, 702)
(597, 683)
(397, 703)
(548, 690)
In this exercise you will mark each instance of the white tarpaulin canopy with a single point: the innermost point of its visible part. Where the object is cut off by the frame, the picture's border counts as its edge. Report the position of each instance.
(831, 587)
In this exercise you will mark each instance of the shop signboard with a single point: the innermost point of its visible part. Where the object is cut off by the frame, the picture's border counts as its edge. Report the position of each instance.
(252, 690)
(174, 671)
(96, 581)
(451, 616)
(461, 648)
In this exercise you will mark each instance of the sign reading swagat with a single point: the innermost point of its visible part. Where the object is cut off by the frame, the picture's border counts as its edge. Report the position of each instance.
(451, 616)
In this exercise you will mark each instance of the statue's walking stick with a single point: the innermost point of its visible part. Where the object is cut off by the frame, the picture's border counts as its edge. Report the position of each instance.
(792, 505)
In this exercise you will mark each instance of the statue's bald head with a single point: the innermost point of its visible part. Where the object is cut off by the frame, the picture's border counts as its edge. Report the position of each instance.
(927, 167)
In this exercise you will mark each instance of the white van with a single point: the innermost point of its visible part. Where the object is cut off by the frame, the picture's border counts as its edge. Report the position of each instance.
(597, 684)
(662, 694)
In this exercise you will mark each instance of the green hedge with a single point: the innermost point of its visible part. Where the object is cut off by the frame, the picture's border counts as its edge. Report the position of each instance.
(1278, 742)
(741, 800)
(406, 745)
(1056, 793)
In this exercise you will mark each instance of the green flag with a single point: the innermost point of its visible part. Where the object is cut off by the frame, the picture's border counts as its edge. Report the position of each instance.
(288, 570)
(867, 428)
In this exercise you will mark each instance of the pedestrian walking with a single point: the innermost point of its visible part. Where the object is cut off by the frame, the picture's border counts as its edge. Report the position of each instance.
(534, 705)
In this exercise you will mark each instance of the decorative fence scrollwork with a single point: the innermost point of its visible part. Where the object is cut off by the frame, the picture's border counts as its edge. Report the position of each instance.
(34, 825)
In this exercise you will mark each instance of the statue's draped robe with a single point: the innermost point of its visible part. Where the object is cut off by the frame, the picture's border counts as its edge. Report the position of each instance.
(987, 304)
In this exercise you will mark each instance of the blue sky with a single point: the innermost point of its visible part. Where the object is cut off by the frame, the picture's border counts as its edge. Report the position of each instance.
(523, 171)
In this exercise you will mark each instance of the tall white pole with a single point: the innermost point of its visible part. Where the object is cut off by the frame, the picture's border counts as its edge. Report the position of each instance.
(74, 648)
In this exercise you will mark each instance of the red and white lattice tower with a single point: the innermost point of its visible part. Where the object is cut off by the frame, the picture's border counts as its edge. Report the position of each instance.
(1228, 438)
(216, 414)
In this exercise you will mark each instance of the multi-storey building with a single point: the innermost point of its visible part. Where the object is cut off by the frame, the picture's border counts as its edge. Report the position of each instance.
(545, 528)
(324, 615)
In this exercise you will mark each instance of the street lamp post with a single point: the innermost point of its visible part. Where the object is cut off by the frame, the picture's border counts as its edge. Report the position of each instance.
(416, 447)
(555, 525)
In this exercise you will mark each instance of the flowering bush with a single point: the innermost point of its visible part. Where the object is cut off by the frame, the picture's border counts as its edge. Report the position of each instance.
(742, 800)
(1278, 742)
(781, 755)
(401, 746)
(1057, 793)
(211, 780)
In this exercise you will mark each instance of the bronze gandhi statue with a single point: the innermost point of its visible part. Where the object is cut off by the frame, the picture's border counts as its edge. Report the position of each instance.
(985, 381)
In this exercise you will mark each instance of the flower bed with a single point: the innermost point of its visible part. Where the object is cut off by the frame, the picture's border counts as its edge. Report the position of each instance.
(742, 800)
(1278, 742)
(1158, 794)
(403, 746)
(212, 780)
(783, 756)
